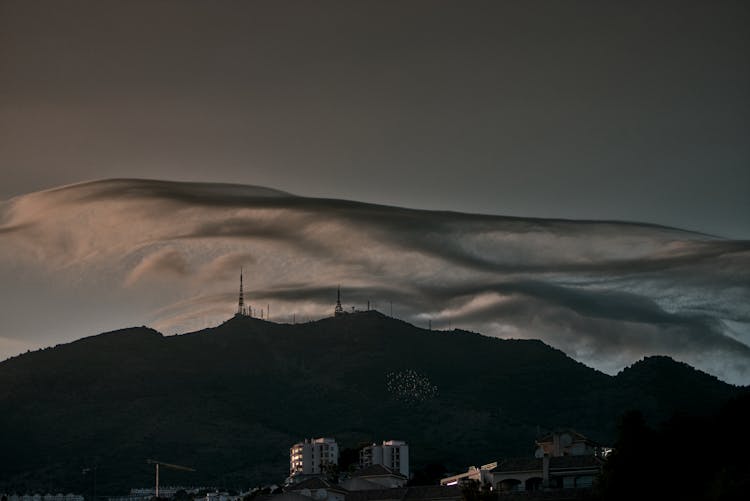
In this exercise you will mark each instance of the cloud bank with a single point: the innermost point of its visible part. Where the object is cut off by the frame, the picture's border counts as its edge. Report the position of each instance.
(168, 254)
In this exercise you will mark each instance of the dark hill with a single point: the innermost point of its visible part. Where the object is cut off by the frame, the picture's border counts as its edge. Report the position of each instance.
(230, 400)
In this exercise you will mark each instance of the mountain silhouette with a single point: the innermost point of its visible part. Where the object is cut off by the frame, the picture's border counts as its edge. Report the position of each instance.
(230, 400)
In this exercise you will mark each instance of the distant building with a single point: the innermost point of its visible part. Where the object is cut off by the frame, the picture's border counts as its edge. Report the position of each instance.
(45, 497)
(393, 454)
(311, 456)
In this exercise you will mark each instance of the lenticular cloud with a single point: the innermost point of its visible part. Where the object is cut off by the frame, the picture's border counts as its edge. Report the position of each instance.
(169, 254)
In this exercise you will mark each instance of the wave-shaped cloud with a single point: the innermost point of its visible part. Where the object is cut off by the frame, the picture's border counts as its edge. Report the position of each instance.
(605, 292)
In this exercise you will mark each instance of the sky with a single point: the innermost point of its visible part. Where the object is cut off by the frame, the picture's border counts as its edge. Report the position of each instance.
(596, 110)
(629, 111)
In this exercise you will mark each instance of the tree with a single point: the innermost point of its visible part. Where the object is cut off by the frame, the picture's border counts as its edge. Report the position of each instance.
(471, 490)
(429, 475)
(331, 472)
(348, 459)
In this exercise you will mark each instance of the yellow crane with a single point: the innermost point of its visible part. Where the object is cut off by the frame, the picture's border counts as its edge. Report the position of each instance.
(166, 465)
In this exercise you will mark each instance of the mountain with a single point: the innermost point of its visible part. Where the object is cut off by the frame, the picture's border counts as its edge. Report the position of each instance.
(607, 293)
(230, 400)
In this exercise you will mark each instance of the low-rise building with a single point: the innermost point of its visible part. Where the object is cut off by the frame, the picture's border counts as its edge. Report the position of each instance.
(563, 460)
(45, 497)
(566, 442)
(318, 489)
(374, 477)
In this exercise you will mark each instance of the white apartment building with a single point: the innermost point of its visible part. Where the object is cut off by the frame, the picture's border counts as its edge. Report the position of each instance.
(393, 454)
(310, 456)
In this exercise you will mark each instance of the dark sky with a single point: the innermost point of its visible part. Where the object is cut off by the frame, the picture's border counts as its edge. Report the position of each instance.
(598, 110)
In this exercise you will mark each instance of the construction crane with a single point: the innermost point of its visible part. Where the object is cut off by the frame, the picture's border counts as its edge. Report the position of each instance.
(166, 465)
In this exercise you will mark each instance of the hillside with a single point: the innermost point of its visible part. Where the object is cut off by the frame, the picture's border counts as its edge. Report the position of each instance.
(230, 400)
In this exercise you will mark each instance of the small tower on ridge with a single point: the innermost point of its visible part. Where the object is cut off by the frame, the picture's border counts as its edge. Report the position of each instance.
(339, 310)
(241, 308)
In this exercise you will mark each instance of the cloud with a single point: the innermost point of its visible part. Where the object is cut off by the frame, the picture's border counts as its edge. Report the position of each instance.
(166, 263)
(605, 292)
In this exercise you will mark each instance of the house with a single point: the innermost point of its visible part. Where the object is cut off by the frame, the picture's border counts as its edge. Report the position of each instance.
(533, 474)
(563, 460)
(317, 488)
(566, 442)
(374, 477)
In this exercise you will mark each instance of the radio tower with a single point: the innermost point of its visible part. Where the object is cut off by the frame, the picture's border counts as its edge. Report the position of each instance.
(241, 309)
(339, 310)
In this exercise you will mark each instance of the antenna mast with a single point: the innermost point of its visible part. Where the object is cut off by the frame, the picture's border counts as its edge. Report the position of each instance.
(241, 308)
(339, 310)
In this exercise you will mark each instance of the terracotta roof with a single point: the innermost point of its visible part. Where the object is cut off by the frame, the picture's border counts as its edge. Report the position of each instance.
(376, 470)
(360, 484)
(518, 464)
(314, 483)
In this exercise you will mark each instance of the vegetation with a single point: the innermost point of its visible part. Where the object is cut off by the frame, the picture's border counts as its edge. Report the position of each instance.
(687, 457)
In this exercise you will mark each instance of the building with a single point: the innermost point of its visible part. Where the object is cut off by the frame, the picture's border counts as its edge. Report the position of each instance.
(532, 474)
(393, 454)
(311, 456)
(46, 497)
(319, 489)
(566, 443)
(563, 460)
(374, 477)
